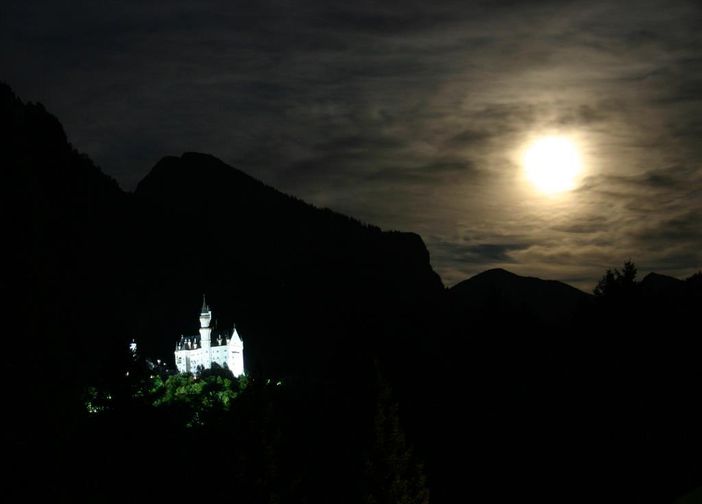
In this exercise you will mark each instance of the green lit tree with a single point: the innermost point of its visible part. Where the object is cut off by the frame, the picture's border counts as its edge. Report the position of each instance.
(199, 397)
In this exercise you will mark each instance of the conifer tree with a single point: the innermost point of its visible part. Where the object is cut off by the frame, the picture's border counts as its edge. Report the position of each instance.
(394, 474)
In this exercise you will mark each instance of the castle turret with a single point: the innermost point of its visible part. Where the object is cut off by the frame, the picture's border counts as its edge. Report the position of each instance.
(205, 329)
(235, 353)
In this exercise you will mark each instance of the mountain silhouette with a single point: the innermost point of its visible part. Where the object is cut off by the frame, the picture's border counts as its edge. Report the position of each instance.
(655, 284)
(67, 221)
(549, 301)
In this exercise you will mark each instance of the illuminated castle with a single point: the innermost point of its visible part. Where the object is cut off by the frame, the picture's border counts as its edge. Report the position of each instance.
(194, 353)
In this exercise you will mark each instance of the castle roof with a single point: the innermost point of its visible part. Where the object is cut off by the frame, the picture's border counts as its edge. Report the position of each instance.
(194, 340)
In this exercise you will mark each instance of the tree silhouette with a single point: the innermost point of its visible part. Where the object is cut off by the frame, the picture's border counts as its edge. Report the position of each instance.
(394, 474)
(617, 283)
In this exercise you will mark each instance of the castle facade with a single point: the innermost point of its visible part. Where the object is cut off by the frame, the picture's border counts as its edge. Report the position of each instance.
(196, 353)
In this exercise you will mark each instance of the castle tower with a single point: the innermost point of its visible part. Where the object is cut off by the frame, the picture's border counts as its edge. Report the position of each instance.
(205, 331)
(235, 354)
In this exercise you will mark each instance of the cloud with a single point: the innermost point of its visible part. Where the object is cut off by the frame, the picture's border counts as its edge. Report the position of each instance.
(492, 252)
(682, 228)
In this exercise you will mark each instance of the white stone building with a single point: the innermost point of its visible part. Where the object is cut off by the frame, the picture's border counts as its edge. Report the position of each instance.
(194, 353)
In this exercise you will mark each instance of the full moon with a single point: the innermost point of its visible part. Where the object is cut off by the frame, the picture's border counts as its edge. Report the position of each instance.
(552, 164)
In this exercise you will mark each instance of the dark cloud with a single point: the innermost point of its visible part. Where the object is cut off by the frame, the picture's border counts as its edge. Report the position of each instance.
(468, 138)
(408, 114)
(586, 225)
(685, 228)
(492, 252)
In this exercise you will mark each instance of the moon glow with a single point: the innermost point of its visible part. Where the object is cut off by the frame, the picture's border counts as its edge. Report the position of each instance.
(552, 164)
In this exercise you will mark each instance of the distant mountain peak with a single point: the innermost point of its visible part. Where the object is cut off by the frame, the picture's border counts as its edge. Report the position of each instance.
(658, 278)
(549, 300)
(498, 272)
(655, 284)
(501, 274)
(195, 168)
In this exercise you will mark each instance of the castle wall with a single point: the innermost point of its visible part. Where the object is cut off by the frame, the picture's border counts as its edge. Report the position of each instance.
(187, 361)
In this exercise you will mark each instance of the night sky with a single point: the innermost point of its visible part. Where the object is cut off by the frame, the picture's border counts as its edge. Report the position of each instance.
(404, 114)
